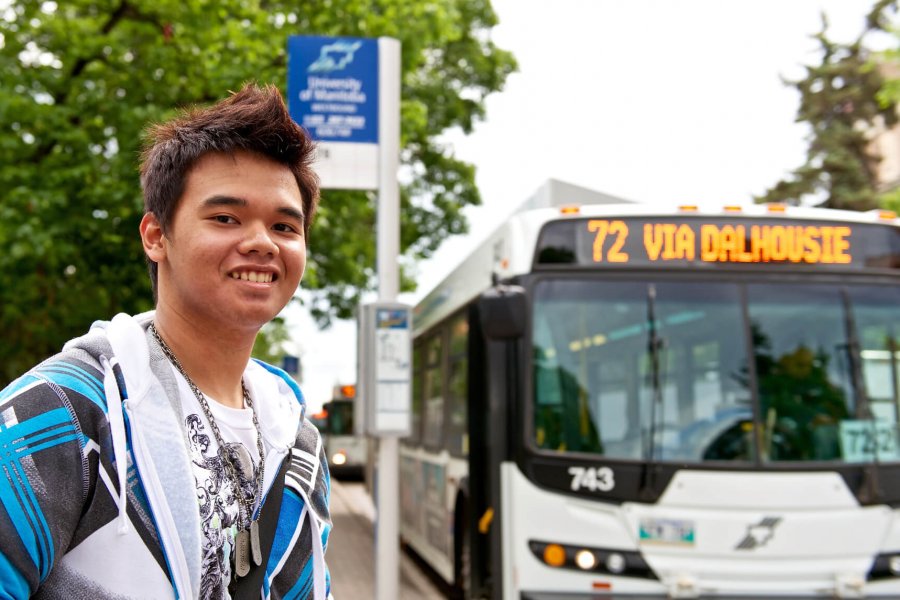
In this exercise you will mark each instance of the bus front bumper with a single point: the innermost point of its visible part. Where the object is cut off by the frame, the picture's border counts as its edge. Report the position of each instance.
(602, 596)
(598, 596)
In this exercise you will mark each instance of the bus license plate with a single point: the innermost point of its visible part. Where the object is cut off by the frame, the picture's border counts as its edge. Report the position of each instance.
(666, 531)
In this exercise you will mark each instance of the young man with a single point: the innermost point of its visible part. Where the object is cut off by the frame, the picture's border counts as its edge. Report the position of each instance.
(138, 462)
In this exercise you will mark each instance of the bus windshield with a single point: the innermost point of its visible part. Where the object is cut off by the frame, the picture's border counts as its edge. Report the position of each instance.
(665, 371)
(340, 417)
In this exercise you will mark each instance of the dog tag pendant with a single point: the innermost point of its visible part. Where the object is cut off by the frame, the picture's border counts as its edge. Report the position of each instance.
(254, 542)
(242, 553)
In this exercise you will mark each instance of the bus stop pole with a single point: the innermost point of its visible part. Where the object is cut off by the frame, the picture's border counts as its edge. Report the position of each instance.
(387, 534)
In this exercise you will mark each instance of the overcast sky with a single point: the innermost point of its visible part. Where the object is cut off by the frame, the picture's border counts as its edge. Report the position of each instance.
(659, 101)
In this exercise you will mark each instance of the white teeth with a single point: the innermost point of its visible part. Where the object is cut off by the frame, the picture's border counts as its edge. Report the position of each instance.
(253, 276)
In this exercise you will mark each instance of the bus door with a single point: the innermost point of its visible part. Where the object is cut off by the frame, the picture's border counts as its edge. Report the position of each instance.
(501, 325)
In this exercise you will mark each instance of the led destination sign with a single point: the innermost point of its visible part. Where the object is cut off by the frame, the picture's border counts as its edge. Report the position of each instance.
(695, 241)
(724, 243)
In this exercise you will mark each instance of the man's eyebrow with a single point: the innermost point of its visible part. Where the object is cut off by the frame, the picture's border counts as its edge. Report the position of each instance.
(217, 200)
(224, 201)
(291, 212)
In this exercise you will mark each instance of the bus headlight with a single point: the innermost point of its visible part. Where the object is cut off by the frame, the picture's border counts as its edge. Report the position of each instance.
(606, 561)
(615, 563)
(585, 559)
(339, 458)
(554, 555)
(885, 566)
(894, 565)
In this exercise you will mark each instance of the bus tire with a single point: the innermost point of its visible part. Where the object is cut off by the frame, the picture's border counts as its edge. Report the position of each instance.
(462, 563)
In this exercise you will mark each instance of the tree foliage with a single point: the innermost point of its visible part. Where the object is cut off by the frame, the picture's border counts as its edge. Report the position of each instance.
(890, 93)
(80, 79)
(842, 100)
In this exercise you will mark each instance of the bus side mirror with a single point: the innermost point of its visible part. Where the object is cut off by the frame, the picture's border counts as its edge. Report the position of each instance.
(503, 312)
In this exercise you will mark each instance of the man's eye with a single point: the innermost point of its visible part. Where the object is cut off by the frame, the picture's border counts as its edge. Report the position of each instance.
(225, 219)
(284, 227)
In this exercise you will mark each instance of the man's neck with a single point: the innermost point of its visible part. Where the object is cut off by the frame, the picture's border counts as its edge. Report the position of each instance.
(213, 358)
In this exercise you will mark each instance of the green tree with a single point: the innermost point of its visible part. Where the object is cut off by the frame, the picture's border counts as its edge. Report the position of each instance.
(80, 79)
(839, 99)
(890, 95)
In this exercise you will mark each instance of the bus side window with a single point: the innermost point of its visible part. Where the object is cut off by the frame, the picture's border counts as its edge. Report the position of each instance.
(434, 393)
(458, 387)
(415, 434)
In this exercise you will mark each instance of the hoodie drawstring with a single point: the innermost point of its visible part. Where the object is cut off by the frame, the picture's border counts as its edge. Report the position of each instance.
(114, 400)
(318, 556)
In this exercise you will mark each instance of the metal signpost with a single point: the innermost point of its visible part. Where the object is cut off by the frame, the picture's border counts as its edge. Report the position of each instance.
(346, 93)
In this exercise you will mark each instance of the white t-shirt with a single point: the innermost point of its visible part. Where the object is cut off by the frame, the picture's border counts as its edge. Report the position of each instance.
(219, 508)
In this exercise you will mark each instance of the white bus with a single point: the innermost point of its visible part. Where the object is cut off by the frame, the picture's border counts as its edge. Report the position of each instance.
(618, 400)
(347, 452)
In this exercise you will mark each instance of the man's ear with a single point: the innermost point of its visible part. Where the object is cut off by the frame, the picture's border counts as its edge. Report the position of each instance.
(153, 239)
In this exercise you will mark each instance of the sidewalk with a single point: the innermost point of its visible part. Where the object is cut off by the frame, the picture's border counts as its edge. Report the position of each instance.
(351, 552)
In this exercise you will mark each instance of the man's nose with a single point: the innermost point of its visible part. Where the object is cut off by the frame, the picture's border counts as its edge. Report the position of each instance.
(258, 238)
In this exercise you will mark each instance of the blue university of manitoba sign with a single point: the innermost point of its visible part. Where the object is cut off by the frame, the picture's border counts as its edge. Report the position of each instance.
(333, 87)
(333, 93)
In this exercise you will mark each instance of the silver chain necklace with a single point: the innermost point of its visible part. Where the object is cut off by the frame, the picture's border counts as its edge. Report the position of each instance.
(247, 540)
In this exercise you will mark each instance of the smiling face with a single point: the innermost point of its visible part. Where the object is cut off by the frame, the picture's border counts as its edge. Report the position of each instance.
(234, 252)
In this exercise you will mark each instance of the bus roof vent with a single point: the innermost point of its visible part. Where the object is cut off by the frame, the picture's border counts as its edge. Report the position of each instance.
(554, 193)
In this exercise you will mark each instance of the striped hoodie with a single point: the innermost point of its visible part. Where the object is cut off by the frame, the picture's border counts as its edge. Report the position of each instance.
(96, 486)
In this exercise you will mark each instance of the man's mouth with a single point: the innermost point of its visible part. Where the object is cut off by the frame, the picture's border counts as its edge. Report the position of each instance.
(254, 276)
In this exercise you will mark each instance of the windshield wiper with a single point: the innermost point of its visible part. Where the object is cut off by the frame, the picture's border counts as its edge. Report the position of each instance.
(854, 357)
(870, 488)
(892, 348)
(654, 347)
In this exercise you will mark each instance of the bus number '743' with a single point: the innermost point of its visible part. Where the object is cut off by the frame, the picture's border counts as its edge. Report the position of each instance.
(596, 479)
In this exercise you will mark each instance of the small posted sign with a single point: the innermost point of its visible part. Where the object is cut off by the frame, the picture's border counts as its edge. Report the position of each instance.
(385, 367)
